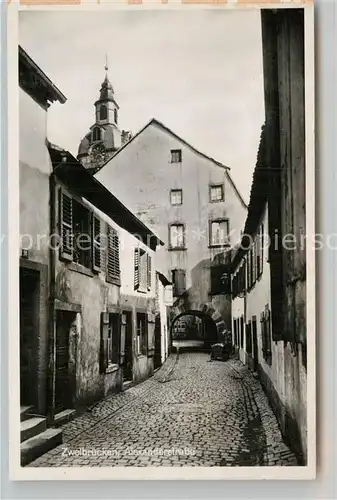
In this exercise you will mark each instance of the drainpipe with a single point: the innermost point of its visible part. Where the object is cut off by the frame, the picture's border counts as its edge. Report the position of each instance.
(52, 296)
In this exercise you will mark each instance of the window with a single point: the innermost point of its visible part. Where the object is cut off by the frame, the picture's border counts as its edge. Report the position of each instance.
(103, 112)
(250, 268)
(96, 135)
(220, 280)
(103, 354)
(96, 239)
(113, 263)
(176, 196)
(235, 332)
(241, 331)
(178, 281)
(66, 226)
(175, 155)
(115, 115)
(249, 338)
(259, 251)
(177, 236)
(141, 334)
(254, 266)
(113, 339)
(142, 270)
(219, 230)
(216, 193)
(82, 234)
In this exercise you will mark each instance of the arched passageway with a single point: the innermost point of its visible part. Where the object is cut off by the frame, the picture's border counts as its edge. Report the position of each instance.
(193, 328)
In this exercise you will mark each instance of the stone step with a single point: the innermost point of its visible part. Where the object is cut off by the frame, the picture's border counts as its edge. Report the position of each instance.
(38, 445)
(32, 426)
(63, 417)
(127, 384)
(25, 411)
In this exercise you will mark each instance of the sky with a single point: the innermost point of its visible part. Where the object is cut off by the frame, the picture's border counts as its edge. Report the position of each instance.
(199, 72)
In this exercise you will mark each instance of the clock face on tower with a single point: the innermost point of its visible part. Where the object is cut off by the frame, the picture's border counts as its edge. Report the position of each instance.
(98, 153)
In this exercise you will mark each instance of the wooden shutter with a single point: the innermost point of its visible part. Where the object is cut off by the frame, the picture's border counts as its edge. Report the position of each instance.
(103, 359)
(122, 339)
(149, 271)
(96, 243)
(146, 335)
(113, 266)
(261, 247)
(66, 226)
(181, 279)
(136, 269)
(263, 334)
(268, 330)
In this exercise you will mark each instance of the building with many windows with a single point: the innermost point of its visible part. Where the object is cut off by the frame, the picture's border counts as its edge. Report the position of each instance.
(189, 200)
(269, 266)
(36, 94)
(103, 288)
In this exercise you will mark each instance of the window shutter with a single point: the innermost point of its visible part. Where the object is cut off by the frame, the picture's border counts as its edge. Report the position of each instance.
(96, 243)
(149, 271)
(261, 247)
(122, 340)
(103, 359)
(181, 285)
(263, 334)
(66, 226)
(113, 267)
(146, 335)
(136, 268)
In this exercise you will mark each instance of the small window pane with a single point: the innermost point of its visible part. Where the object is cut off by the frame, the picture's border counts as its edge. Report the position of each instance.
(177, 236)
(219, 232)
(175, 155)
(103, 113)
(217, 193)
(97, 134)
(176, 197)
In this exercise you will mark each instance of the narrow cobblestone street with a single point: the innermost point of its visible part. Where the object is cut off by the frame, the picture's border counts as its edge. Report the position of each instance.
(202, 413)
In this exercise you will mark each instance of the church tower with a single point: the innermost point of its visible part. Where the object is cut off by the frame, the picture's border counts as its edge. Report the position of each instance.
(104, 137)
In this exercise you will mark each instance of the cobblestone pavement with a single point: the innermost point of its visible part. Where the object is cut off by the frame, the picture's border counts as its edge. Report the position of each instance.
(192, 412)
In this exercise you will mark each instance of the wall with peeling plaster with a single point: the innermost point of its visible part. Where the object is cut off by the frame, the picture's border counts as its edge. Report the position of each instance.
(284, 379)
(34, 227)
(95, 295)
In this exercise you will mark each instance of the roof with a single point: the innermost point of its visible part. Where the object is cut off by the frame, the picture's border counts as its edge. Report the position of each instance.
(35, 82)
(163, 279)
(258, 199)
(159, 124)
(81, 182)
(107, 92)
(235, 189)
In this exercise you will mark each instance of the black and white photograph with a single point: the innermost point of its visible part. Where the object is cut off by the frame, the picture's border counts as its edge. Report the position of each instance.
(164, 259)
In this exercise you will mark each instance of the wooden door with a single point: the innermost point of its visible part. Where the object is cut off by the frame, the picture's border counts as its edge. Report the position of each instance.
(127, 364)
(157, 342)
(29, 331)
(63, 382)
(255, 344)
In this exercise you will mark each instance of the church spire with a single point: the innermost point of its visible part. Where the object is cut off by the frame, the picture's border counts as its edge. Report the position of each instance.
(107, 91)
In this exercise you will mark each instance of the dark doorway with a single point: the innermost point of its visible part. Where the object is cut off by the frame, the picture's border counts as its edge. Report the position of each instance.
(241, 332)
(157, 342)
(114, 334)
(29, 333)
(127, 326)
(65, 363)
(255, 345)
(193, 330)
